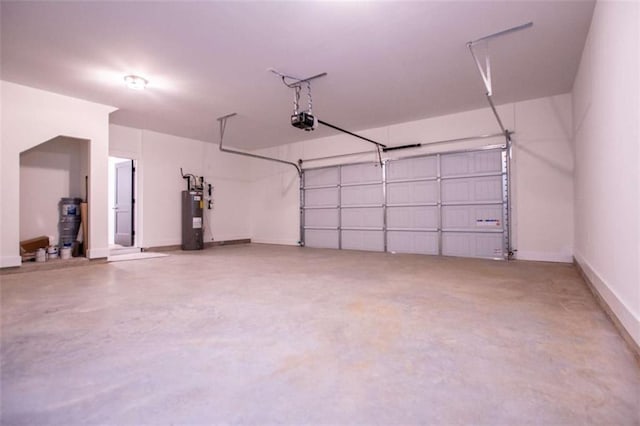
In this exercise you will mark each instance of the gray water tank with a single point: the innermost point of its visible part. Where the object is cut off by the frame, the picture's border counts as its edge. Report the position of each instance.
(192, 225)
(69, 223)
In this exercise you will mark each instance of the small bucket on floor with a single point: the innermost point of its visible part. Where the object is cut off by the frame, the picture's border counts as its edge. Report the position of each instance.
(65, 253)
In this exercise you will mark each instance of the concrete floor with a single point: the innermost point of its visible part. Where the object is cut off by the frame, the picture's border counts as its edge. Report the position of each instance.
(261, 334)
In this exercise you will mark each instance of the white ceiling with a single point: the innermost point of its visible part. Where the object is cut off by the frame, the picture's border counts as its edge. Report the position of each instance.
(387, 62)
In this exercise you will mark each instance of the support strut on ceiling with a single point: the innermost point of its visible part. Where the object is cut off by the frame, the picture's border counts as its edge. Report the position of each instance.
(223, 124)
(414, 145)
(485, 71)
(296, 81)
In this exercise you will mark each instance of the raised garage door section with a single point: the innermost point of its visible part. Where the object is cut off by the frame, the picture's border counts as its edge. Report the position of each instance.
(451, 204)
(474, 204)
(412, 205)
(344, 207)
(321, 219)
(361, 207)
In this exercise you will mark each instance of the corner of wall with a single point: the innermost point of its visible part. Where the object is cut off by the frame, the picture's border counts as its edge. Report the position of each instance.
(98, 253)
(627, 322)
(606, 96)
(10, 261)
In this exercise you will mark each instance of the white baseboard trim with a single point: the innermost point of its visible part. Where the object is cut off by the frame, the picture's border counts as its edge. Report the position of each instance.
(622, 314)
(218, 238)
(161, 243)
(10, 261)
(98, 253)
(282, 242)
(543, 256)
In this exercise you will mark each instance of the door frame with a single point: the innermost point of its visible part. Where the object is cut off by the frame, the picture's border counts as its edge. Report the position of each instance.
(135, 214)
(507, 201)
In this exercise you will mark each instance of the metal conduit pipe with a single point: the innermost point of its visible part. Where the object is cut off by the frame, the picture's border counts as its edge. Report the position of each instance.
(223, 123)
(409, 146)
(381, 145)
(495, 113)
(510, 249)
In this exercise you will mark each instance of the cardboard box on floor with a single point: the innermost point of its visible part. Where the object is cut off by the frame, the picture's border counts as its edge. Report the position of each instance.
(33, 244)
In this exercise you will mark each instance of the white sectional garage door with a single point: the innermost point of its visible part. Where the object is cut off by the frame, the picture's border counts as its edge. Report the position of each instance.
(322, 208)
(412, 205)
(473, 204)
(451, 204)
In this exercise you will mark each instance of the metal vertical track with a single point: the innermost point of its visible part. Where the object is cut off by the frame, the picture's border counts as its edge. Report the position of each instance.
(508, 153)
(302, 236)
(505, 206)
(340, 207)
(384, 205)
(439, 180)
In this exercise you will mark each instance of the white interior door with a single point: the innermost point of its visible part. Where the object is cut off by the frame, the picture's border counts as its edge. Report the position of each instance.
(123, 206)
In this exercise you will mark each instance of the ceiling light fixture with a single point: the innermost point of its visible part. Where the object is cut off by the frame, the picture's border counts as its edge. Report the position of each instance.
(135, 82)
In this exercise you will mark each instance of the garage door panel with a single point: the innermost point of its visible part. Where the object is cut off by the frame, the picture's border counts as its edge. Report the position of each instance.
(466, 163)
(412, 192)
(464, 244)
(322, 197)
(449, 203)
(412, 242)
(479, 189)
(359, 173)
(322, 177)
(362, 195)
(412, 217)
(363, 240)
(321, 238)
(412, 168)
(363, 217)
(322, 217)
(474, 217)
(487, 162)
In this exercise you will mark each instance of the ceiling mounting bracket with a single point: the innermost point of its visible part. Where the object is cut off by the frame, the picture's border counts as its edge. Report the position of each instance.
(223, 124)
(306, 120)
(295, 80)
(485, 71)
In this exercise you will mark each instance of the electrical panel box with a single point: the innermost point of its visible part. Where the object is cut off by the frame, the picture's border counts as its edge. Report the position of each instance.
(192, 223)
